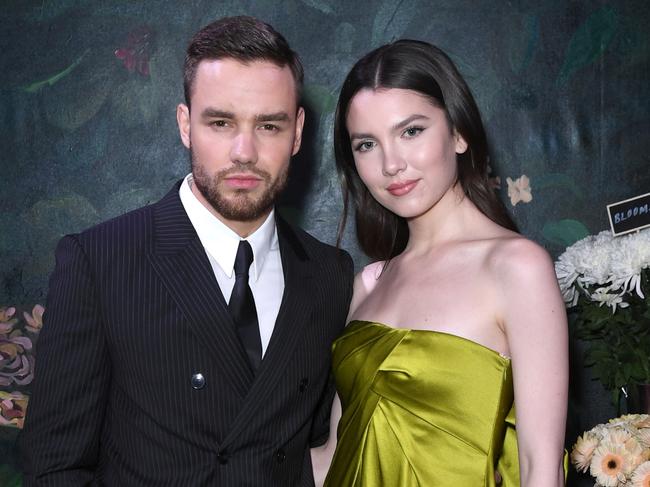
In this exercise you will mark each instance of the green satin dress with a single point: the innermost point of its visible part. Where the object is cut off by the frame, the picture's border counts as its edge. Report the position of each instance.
(421, 408)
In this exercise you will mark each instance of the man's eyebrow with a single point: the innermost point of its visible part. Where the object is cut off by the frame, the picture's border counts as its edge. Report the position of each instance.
(215, 113)
(273, 117)
(263, 117)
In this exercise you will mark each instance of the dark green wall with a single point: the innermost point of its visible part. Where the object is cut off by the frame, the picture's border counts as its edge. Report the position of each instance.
(563, 87)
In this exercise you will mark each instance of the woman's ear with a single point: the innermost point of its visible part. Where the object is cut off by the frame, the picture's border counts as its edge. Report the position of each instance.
(461, 144)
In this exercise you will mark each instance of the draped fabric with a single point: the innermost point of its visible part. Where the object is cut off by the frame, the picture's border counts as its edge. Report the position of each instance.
(421, 408)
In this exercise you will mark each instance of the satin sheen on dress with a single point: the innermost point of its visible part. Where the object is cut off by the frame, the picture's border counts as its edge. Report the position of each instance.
(421, 408)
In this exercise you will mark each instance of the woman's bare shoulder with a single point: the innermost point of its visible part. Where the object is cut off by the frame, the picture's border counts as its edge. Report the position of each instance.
(519, 263)
(515, 253)
(364, 282)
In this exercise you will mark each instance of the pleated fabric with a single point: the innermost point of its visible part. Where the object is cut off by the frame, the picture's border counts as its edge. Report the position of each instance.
(421, 409)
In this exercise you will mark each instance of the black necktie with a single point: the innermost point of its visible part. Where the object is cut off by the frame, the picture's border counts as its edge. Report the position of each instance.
(242, 306)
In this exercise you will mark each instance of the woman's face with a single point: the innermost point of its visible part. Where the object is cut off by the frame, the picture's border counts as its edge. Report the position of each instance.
(404, 149)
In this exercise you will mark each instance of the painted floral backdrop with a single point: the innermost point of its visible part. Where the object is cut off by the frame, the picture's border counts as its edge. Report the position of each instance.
(88, 92)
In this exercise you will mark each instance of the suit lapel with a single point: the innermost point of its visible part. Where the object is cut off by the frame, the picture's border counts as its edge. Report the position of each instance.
(182, 264)
(295, 313)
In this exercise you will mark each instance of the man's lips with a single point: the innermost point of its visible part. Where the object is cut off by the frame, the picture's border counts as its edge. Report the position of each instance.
(242, 181)
(402, 188)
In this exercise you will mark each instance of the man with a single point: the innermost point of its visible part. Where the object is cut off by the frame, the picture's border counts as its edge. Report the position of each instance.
(166, 357)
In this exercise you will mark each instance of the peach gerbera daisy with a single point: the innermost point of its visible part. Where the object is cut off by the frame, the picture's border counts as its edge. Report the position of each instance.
(641, 476)
(583, 450)
(610, 464)
(644, 437)
(617, 436)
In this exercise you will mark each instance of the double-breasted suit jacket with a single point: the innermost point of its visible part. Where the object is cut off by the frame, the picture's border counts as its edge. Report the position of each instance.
(140, 376)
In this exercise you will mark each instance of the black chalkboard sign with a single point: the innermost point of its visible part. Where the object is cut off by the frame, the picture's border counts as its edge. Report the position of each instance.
(629, 215)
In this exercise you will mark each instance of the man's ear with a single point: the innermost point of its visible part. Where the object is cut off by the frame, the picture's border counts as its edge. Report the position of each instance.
(300, 123)
(183, 120)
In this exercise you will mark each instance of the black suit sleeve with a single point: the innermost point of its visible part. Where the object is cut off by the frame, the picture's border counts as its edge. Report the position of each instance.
(60, 441)
(344, 280)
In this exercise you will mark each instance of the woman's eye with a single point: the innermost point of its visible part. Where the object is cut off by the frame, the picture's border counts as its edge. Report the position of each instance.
(412, 131)
(364, 146)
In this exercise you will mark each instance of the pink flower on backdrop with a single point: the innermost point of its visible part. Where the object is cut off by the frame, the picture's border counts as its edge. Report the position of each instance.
(136, 49)
(16, 359)
(519, 190)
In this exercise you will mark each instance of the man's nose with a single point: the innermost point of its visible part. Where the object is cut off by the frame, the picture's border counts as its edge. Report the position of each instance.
(244, 149)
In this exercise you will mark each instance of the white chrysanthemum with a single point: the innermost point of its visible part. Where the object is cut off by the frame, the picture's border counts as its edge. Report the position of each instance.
(603, 296)
(641, 476)
(609, 266)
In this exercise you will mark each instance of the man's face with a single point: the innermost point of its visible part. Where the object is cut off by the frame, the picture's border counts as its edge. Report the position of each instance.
(243, 127)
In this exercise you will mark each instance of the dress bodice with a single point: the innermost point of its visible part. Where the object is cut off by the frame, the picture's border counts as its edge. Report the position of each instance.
(421, 408)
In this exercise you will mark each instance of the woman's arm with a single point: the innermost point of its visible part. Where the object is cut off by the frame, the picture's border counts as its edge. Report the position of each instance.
(321, 457)
(533, 317)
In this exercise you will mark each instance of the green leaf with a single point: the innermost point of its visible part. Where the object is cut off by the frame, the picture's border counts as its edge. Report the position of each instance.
(557, 180)
(36, 86)
(564, 232)
(9, 477)
(524, 42)
(62, 215)
(392, 18)
(589, 42)
(322, 5)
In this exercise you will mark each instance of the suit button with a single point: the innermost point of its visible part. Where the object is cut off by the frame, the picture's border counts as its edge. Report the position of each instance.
(198, 381)
(303, 384)
(280, 456)
(222, 457)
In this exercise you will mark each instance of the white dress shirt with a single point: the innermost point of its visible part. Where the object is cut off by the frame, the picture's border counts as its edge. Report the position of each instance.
(266, 279)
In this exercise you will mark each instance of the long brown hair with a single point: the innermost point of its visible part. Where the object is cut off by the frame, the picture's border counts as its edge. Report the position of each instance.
(421, 67)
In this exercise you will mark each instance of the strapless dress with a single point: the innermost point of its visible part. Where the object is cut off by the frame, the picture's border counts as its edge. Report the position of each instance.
(421, 408)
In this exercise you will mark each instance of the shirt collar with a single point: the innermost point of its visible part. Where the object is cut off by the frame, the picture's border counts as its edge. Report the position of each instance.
(220, 241)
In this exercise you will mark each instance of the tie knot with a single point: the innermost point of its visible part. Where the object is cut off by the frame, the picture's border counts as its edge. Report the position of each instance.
(244, 259)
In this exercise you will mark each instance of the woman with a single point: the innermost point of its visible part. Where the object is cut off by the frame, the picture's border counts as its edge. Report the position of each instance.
(460, 317)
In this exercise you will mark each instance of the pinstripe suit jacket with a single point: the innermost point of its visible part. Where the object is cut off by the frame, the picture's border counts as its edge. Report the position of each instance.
(133, 313)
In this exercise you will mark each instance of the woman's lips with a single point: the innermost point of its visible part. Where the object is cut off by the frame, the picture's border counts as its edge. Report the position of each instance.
(402, 188)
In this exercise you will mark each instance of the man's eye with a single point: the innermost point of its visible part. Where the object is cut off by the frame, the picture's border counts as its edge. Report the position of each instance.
(270, 127)
(219, 123)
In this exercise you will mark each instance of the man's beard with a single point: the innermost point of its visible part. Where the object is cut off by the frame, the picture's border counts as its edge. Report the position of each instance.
(241, 205)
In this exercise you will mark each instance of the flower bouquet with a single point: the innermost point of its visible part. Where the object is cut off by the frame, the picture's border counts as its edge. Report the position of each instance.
(603, 279)
(17, 362)
(616, 454)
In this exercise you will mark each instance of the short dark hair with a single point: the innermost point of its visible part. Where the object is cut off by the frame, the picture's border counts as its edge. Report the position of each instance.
(421, 67)
(244, 39)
